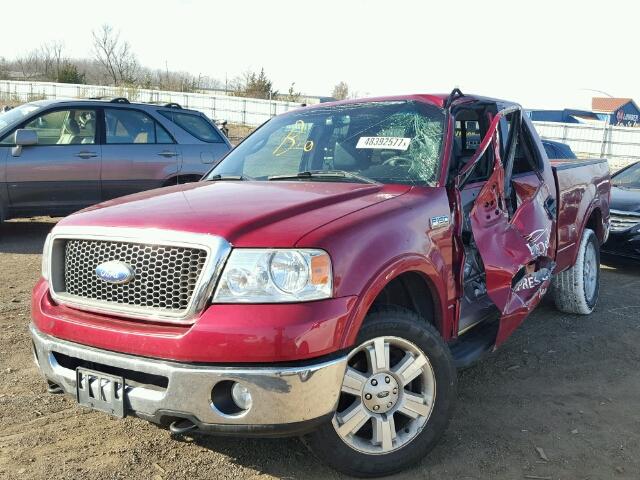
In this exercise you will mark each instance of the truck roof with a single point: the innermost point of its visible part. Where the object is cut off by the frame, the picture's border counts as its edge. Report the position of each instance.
(437, 99)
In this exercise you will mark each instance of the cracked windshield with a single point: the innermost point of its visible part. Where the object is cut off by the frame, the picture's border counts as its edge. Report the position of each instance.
(386, 142)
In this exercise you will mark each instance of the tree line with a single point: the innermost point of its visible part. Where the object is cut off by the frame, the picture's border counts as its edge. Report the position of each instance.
(113, 62)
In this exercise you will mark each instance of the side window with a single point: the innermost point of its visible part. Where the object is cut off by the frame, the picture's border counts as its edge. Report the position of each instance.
(194, 125)
(526, 161)
(469, 131)
(127, 126)
(62, 127)
(525, 157)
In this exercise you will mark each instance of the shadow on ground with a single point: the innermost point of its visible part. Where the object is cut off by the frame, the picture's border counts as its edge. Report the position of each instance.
(24, 236)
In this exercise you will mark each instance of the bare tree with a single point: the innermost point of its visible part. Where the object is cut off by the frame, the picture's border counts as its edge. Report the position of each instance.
(29, 65)
(51, 56)
(340, 91)
(115, 56)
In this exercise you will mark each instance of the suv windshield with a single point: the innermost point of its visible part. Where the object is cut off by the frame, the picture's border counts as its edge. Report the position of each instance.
(629, 178)
(16, 114)
(390, 142)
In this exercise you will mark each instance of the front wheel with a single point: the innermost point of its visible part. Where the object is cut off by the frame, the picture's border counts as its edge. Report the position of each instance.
(397, 396)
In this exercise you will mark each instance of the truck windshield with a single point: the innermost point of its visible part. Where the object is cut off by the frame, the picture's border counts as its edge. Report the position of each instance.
(629, 178)
(389, 142)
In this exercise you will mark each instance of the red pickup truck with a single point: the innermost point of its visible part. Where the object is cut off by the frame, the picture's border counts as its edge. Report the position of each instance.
(326, 279)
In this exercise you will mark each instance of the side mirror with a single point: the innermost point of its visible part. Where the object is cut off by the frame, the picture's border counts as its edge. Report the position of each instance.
(23, 138)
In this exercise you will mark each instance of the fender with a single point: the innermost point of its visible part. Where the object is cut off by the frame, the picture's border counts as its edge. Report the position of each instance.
(392, 269)
(595, 205)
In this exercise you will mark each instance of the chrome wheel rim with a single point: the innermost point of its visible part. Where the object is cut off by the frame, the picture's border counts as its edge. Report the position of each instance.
(590, 272)
(387, 396)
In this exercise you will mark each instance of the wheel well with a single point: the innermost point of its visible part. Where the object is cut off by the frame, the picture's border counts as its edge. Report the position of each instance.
(409, 290)
(181, 179)
(595, 223)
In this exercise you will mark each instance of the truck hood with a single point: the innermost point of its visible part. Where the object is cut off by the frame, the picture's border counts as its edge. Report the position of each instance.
(258, 214)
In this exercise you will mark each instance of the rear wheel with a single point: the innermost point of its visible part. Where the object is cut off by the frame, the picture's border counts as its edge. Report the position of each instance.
(576, 290)
(397, 397)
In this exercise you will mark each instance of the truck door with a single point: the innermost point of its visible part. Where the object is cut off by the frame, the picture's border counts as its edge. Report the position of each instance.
(512, 221)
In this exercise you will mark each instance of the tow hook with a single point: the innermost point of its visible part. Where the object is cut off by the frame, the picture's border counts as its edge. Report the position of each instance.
(54, 388)
(182, 426)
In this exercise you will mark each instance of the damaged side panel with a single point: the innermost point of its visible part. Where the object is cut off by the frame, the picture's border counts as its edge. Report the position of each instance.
(515, 241)
(516, 253)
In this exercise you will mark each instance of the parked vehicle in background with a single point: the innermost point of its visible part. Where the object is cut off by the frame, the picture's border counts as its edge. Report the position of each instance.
(625, 213)
(558, 150)
(326, 278)
(60, 156)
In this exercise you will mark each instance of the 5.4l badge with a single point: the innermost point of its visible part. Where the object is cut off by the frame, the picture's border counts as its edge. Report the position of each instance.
(440, 221)
(115, 272)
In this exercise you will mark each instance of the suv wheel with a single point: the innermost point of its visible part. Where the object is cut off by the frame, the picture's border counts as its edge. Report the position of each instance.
(397, 396)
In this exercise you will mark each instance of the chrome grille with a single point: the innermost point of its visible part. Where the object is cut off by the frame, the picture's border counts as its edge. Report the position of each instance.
(621, 221)
(165, 276)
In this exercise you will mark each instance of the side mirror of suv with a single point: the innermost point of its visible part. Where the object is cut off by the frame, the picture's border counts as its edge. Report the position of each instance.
(23, 138)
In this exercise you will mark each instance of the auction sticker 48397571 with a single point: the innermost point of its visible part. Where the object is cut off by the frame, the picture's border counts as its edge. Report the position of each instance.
(392, 143)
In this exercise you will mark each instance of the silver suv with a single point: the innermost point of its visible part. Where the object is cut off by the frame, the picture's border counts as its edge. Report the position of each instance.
(58, 156)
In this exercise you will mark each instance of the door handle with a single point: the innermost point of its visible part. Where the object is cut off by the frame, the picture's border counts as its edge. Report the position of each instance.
(86, 154)
(168, 153)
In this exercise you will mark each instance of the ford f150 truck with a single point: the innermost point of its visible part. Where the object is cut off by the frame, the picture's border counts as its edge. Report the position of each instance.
(326, 279)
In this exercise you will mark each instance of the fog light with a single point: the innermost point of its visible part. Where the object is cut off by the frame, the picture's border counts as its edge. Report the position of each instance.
(241, 396)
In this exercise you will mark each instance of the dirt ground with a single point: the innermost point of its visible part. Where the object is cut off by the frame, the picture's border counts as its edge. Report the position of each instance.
(559, 401)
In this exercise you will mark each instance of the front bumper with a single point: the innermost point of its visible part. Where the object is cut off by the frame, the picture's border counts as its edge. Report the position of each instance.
(624, 244)
(286, 400)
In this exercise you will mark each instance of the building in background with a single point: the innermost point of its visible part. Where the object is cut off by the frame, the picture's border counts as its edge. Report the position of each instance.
(568, 115)
(622, 112)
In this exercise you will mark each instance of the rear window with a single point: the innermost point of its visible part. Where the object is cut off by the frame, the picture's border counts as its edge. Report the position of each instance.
(195, 125)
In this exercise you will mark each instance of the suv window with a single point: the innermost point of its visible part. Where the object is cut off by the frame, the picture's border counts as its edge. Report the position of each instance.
(127, 126)
(195, 125)
(62, 127)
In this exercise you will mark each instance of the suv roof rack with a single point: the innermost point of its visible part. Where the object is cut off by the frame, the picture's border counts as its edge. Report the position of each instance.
(165, 104)
(111, 99)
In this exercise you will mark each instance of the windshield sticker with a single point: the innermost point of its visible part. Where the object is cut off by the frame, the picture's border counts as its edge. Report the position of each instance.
(292, 139)
(390, 143)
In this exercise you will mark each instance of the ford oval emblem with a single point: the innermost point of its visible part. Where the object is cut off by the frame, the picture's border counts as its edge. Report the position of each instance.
(115, 272)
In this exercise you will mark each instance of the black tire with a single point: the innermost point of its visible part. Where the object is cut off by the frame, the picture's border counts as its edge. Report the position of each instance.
(570, 292)
(402, 323)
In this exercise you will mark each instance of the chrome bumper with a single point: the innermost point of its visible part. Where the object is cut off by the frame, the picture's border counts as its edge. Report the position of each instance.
(281, 395)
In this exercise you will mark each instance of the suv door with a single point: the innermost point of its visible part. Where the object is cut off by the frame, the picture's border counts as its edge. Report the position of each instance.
(61, 173)
(513, 221)
(205, 149)
(138, 153)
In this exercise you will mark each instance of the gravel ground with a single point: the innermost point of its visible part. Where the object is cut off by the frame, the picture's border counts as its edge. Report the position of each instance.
(558, 401)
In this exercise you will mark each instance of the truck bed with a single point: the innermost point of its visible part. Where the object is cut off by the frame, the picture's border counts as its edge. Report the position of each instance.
(581, 185)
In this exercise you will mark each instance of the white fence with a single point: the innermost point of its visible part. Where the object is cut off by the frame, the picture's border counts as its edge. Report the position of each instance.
(620, 145)
(246, 111)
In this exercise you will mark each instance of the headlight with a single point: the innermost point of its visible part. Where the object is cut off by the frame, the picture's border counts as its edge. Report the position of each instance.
(45, 257)
(275, 275)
